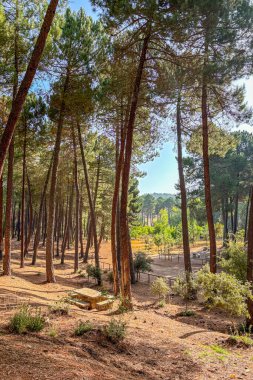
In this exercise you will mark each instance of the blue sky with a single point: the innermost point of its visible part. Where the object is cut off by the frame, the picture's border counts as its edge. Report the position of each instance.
(161, 173)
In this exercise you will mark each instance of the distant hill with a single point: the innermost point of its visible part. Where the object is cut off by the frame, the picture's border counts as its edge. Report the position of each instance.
(163, 195)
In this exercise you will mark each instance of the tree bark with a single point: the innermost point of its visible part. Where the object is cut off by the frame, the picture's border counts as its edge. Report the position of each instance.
(91, 205)
(42, 201)
(250, 260)
(77, 230)
(1, 218)
(7, 234)
(184, 218)
(22, 243)
(30, 213)
(125, 262)
(207, 181)
(247, 217)
(19, 100)
(9, 191)
(81, 226)
(51, 203)
(67, 226)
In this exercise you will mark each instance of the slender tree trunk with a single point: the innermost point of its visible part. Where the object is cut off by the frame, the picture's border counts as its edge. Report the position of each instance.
(207, 181)
(91, 205)
(1, 218)
(225, 220)
(236, 214)
(42, 201)
(7, 234)
(67, 227)
(81, 227)
(77, 230)
(10, 145)
(19, 100)
(18, 223)
(88, 241)
(125, 262)
(30, 213)
(13, 221)
(22, 246)
(51, 203)
(186, 244)
(247, 216)
(118, 252)
(115, 212)
(250, 259)
(45, 223)
(131, 259)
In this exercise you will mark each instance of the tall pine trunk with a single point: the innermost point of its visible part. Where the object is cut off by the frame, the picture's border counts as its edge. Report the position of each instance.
(1, 218)
(40, 215)
(207, 181)
(51, 202)
(30, 213)
(77, 216)
(124, 241)
(115, 248)
(9, 191)
(91, 204)
(250, 259)
(22, 246)
(184, 218)
(8, 213)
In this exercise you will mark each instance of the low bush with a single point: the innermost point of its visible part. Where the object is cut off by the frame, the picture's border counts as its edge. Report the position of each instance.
(59, 308)
(235, 260)
(110, 277)
(241, 340)
(185, 286)
(24, 320)
(223, 291)
(186, 313)
(161, 303)
(93, 272)
(53, 332)
(83, 327)
(142, 263)
(160, 287)
(115, 331)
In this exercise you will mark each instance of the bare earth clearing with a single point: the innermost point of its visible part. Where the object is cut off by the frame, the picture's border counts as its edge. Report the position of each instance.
(159, 344)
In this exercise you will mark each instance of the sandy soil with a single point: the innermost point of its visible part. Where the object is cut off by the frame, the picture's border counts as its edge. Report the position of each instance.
(159, 344)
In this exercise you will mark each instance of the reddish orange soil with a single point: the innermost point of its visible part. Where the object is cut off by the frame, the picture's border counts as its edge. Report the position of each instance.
(159, 344)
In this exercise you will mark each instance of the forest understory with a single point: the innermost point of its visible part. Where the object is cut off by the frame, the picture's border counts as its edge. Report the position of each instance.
(159, 343)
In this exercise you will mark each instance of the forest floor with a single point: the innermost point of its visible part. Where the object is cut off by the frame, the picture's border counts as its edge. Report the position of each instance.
(159, 343)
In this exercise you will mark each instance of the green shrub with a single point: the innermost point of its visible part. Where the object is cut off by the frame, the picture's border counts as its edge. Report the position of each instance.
(158, 240)
(24, 321)
(235, 261)
(161, 303)
(185, 286)
(244, 340)
(160, 287)
(124, 305)
(142, 263)
(115, 331)
(223, 291)
(110, 277)
(83, 327)
(186, 313)
(36, 322)
(20, 321)
(59, 308)
(93, 271)
(53, 332)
